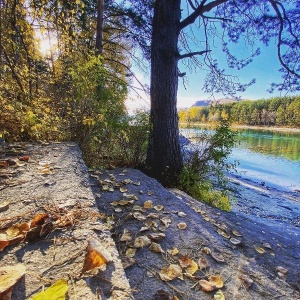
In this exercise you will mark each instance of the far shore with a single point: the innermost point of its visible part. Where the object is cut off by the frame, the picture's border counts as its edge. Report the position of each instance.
(270, 128)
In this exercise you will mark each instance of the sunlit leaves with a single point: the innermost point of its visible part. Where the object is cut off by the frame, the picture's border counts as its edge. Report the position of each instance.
(57, 291)
(9, 276)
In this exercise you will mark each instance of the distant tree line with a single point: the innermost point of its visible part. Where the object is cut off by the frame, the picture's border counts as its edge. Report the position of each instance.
(278, 111)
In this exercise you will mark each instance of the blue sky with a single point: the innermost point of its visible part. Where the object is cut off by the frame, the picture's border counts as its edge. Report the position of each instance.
(264, 68)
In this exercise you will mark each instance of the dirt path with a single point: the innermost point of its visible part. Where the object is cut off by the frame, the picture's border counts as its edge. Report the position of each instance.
(249, 244)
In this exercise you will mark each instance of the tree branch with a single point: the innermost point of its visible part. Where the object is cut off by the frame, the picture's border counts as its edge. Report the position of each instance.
(200, 10)
(191, 54)
(279, 43)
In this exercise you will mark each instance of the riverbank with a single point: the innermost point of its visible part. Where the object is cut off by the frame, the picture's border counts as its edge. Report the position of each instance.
(234, 126)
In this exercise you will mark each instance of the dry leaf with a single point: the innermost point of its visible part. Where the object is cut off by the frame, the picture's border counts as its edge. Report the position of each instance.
(223, 233)
(282, 270)
(39, 219)
(142, 241)
(173, 252)
(126, 236)
(137, 215)
(127, 262)
(156, 248)
(192, 269)
(157, 237)
(158, 207)
(214, 282)
(236, 233)
(123, 190)
(205, 250)
(166, 221)
(96, 256)
(182, 225)
(130, 252)
(259, 249)
(235, 241)
(219, 295)
(9, 276)
(181, 214)
(148, 204)
(267, 245)
(170, 272)
(203, 263)
(184, 261)
(57, 291)
(114, 203)
(217, 257)
(24, 158)
(4, 205)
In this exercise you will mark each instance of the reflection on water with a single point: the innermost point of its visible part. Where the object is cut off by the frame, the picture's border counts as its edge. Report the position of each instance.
(265, 156)
(271, 143)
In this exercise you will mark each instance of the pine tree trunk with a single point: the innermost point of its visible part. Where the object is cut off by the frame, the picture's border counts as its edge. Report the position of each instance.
(164, 154)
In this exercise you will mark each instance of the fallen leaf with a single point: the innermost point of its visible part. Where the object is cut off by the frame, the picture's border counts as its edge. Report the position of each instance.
(156, 248)
(57, 291)
(158, 207)
(24, 158)
(118, 209)
(205, 250)
(282, 270)
(96, 256)
(157, 237)
(137, 215)
(126, 236)
(123, 190)
(136, 183)
(130, 252)
(142, 241)
(173, 251)
(214, 282)
(184, 261)
(127, 262)
(203, 263)
(170, 272)
(9, 276)
(161, 295)
(223, 233)
(182, 225)
(236, 233)
(219, 295)
(217, 257)
(259, 249)
(267, 245)
(39, 219)
(4, 205)
(148, 204)
(181, 214)
(192, 269)
(235, 241)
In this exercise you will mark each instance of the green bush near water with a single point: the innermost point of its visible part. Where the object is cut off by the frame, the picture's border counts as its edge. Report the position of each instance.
(203, 176)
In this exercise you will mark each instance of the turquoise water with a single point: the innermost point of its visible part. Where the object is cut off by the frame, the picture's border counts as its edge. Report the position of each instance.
(265, 156)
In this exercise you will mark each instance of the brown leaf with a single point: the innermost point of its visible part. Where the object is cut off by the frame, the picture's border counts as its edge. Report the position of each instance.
(214, 282)
(182, 225)
(142, 241)
(156, 248)
(203, 263)
(157, 237)
(38, 219)
(148, 204)
(170, 272)
(24, 158)
(9, 276)
(96, 256)
(184, 261)
(161, 295)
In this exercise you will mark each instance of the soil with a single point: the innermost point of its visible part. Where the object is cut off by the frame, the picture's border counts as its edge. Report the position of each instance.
(253, 251)
(264, 220)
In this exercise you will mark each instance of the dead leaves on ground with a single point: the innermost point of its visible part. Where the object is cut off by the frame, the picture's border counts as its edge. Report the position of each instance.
(56, 291)
(9, 276)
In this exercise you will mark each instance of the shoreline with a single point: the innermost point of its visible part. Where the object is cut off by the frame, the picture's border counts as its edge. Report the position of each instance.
(255, 127)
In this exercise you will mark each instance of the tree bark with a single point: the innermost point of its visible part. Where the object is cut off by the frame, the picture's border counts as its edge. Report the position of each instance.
(164, 154)
(99, 33)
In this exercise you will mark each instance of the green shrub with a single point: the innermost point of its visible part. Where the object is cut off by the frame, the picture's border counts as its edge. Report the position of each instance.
(203, 176)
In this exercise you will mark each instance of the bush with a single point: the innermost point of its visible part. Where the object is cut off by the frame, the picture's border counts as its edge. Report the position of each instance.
(203, 176)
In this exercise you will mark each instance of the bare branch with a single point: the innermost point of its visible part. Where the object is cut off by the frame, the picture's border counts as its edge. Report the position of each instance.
(279, 43)
(191, 54)
(200, 10)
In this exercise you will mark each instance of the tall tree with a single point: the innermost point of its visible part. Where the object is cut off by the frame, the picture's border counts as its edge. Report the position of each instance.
(200, 25)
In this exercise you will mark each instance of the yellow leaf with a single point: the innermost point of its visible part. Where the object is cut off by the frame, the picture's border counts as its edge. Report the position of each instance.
(174, 251)
(57, 291)
(148, 204)
(182, 225)
(9, 275)
(259, 250)
(192, 268)
(170, 272)
(214, 282)
(219, 295)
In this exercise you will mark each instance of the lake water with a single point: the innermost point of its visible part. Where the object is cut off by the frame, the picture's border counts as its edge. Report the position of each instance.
(266, 156)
